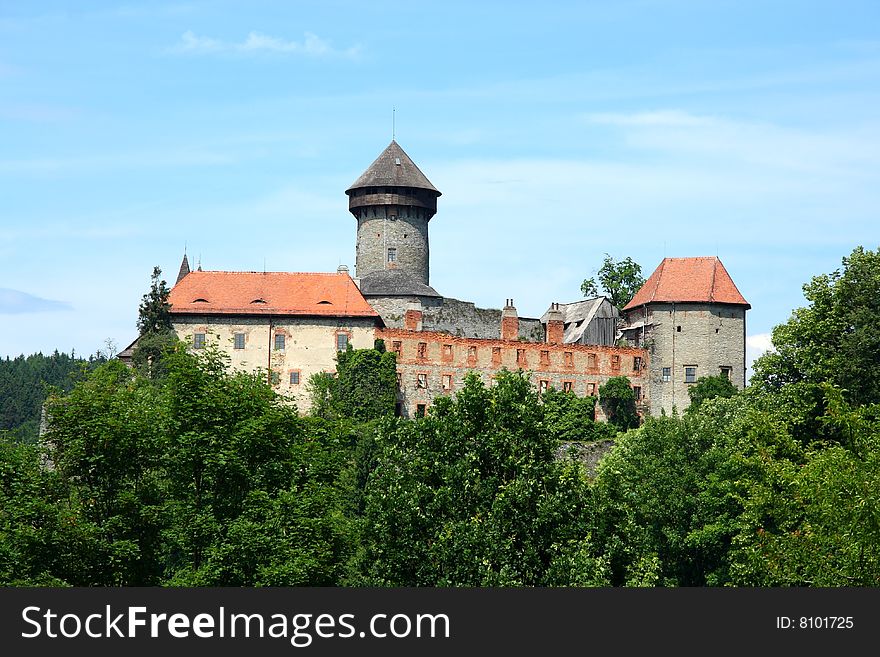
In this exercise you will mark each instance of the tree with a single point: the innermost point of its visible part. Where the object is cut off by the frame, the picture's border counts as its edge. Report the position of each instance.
(620, 281)
(472, 495)
(157, 336)
(364, 387)
(154, 313)
(834, 338)
(618, 400)
(710, 387)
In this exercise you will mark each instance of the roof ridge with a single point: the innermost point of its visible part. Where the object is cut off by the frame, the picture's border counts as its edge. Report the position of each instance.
(712, 284)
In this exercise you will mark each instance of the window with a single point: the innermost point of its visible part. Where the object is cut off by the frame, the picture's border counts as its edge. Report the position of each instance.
(615, 362)
(294, 378)
(592, 361)
(568, 359)
(420, 410)
(496, 356)
(446, 382)
(421, 381)
(472, 356)
(238, 339)
(279, 342)
(422, 351)
(637, 363)
(678, 328)
(521, 357)
(399, 380)
(396, 347)
(199, 341)
(543, 385)
(447, 352)
(392, 255)
(274, 378)
(341, 341)
(667, 373)
(545, 357)
(726, 371)
(690, 374)
(591, 389)
(637, 391)
(567, 386)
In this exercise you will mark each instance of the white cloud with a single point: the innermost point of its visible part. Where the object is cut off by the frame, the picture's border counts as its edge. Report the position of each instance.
(756, 346)
(311, 46)
(17, 302)
(661, 118)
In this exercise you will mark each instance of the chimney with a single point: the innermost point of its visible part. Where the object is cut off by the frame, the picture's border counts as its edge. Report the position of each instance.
(509, 322)
(412, 320)
(555, 327)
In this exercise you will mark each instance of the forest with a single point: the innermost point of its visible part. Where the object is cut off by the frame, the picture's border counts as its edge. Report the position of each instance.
(182, 473)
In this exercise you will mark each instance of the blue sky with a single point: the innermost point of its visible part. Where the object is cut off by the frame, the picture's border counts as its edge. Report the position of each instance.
(557, 132)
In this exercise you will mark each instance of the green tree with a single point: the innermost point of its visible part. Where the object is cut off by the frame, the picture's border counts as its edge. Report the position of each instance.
(363, 388)
(619, 280)
(156, 334)
(834, 339)
(618, 400)
(472, 496)
(710, 387)
(568, 417)
(366, 383)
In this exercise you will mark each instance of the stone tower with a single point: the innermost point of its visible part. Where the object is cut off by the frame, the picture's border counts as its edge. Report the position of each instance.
(691, 318)
(393, 201)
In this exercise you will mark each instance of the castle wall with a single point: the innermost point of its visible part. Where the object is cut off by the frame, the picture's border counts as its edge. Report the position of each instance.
(703, 336)
(309, 345)
(402, 228)
(430, 364)
(459, 318)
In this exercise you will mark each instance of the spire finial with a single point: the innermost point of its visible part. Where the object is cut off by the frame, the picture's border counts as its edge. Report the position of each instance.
(393, 121)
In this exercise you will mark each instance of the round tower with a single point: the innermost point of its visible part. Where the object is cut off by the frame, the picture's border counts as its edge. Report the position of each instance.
(393, 201)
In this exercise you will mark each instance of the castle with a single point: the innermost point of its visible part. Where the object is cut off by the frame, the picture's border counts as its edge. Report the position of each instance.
(687, 321)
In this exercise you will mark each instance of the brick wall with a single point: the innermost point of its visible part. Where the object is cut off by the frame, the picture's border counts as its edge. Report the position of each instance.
(431, 363)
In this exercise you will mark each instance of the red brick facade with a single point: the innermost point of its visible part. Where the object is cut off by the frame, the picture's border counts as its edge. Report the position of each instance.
(432, 363)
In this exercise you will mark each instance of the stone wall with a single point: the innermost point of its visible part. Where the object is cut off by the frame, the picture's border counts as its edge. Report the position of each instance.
(309, 345)
(707, 337)
(402, 228)
(459, 318)
(430, 363)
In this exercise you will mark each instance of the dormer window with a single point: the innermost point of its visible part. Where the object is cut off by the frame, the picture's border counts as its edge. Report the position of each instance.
(324, 303)
(200, 300)
(258, 301)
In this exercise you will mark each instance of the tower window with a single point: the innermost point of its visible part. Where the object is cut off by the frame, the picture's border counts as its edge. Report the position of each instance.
(392, 255)
(725, 372)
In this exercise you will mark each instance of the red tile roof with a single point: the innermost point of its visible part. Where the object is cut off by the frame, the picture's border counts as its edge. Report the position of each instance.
(701, 280)
(271, 293)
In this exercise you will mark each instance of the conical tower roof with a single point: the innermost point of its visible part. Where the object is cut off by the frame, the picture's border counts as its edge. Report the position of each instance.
(184, 269)
(393, 168)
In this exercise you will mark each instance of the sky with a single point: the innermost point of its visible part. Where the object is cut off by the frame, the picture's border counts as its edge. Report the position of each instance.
(557, 132)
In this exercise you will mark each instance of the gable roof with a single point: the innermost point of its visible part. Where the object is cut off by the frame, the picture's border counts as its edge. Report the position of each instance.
(577, 315)
(699, 280)
(270, 293)
(393, 167)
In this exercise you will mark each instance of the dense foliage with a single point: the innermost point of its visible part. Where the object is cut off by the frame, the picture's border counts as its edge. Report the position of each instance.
(205, 477)
(25, 383)
(619, 280)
